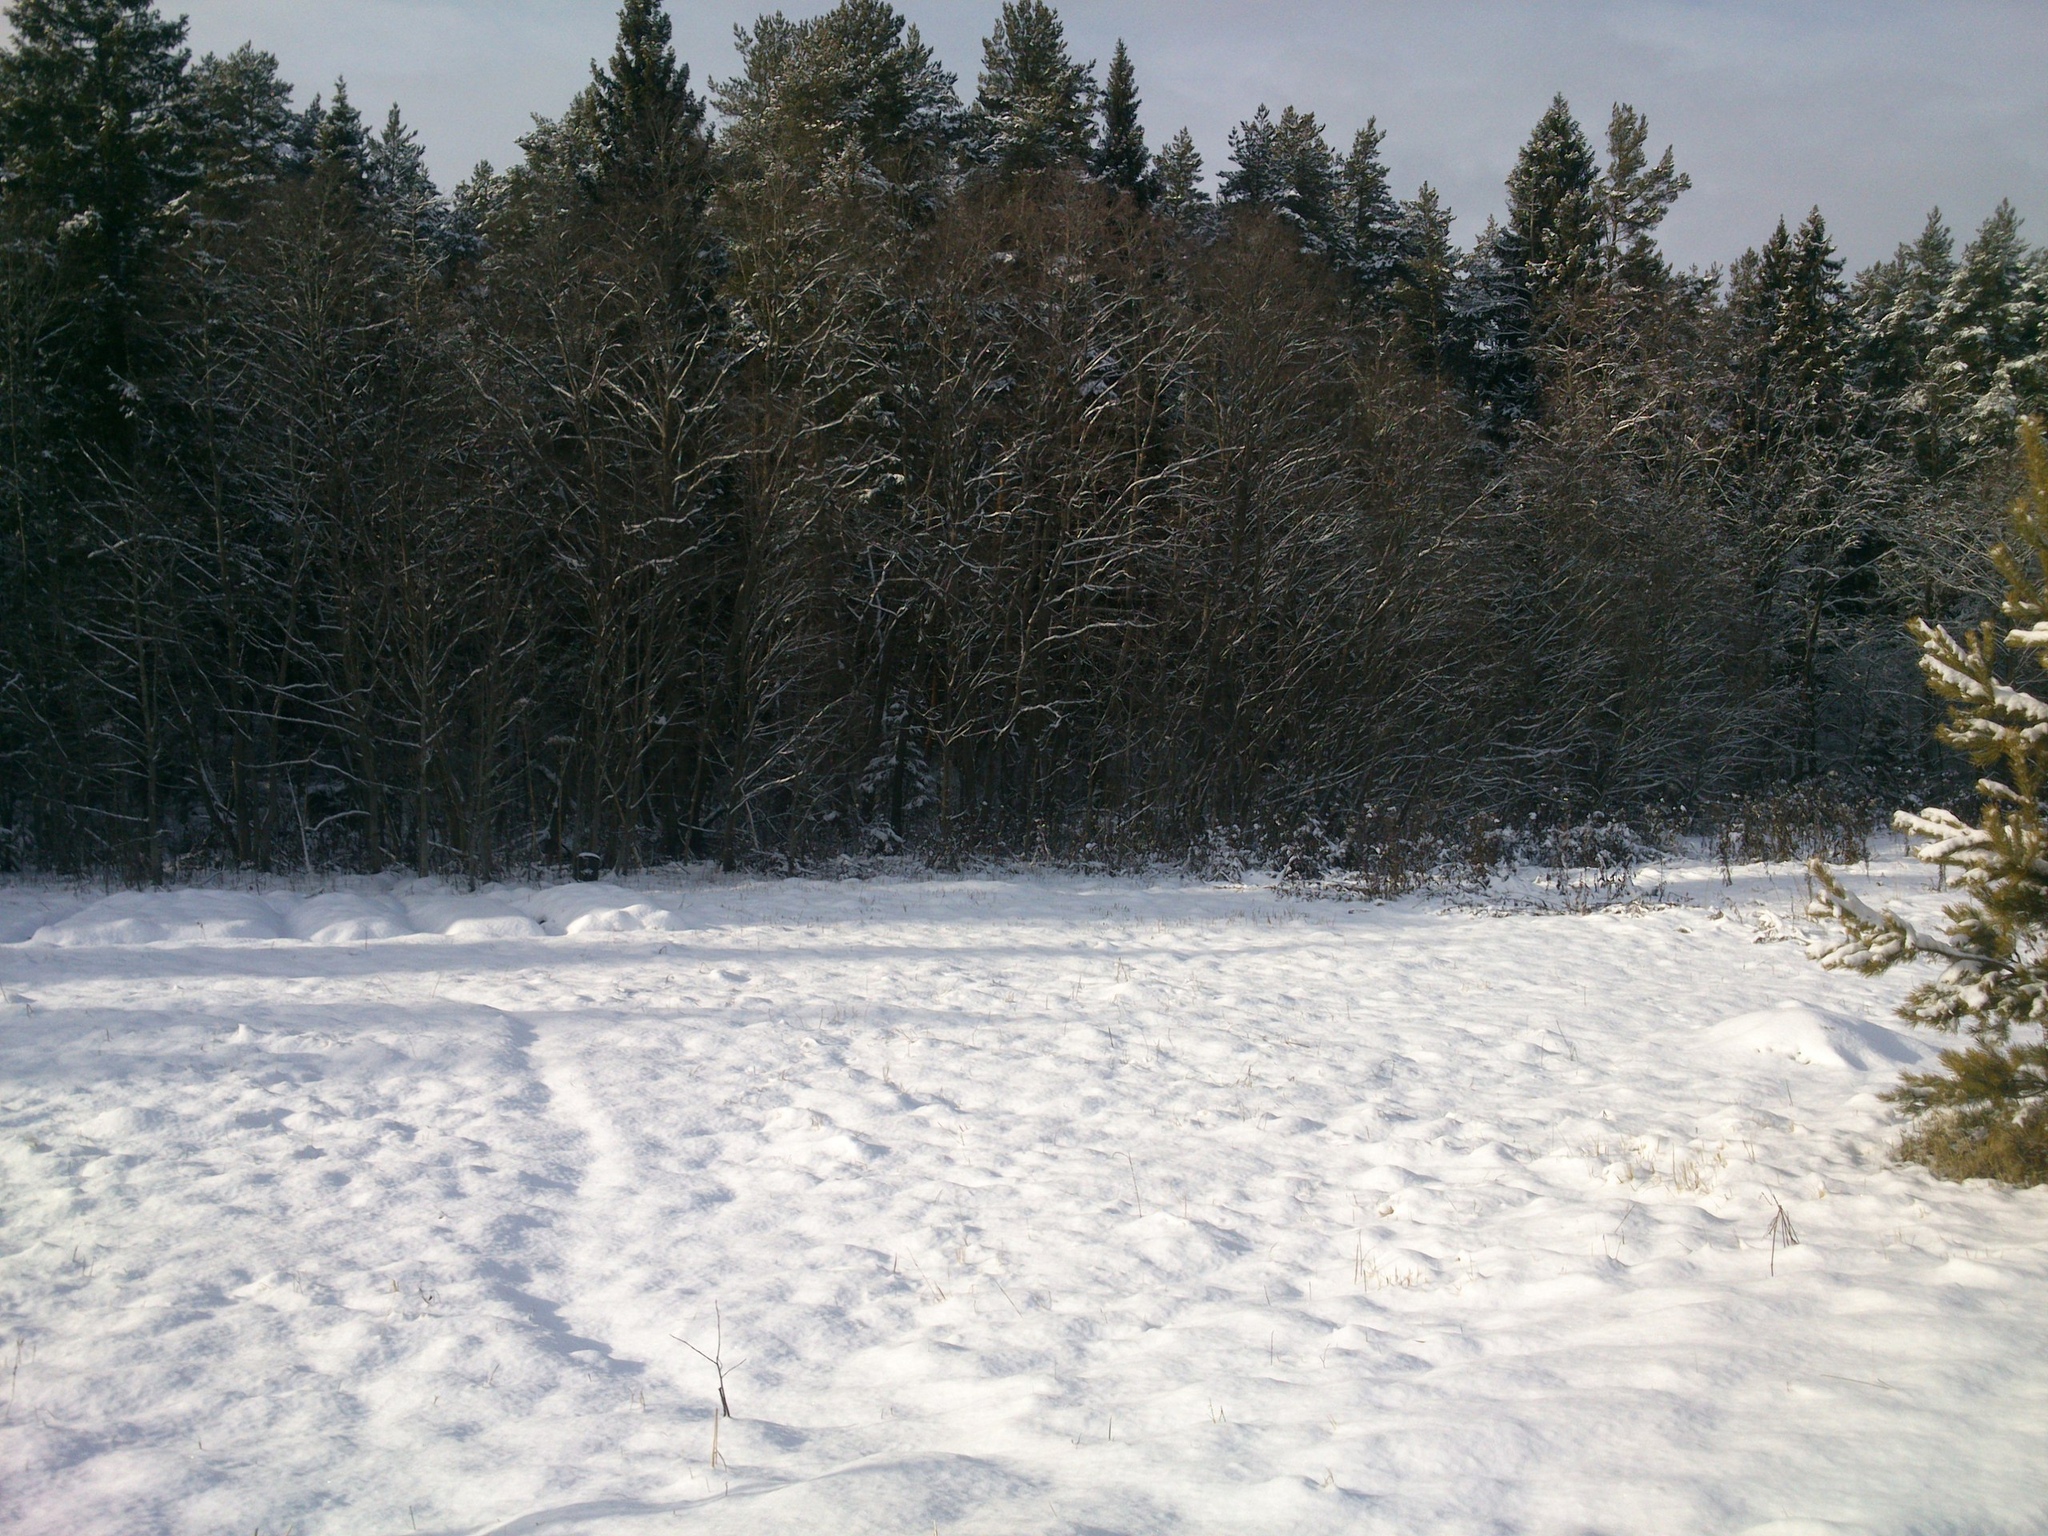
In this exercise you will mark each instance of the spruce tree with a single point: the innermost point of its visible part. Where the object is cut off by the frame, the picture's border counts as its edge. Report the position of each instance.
(1797, 469)
(1894, 303)
(1812, 336)
(633, 154)
(1121, 158)
(1489, 331)
(98, 154)
(1756, 285)
(1790, 327)
(1986, 1112)
(1371, 217)
(1179, 175)
(401, 187)
(1555, 208)
(1425, 276)
(1035, 107)
(647, 122)
(1989, 361)
(340, 139)
(97, 142)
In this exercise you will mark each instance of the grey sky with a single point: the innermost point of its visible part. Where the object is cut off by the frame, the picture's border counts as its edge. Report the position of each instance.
(1874, 110)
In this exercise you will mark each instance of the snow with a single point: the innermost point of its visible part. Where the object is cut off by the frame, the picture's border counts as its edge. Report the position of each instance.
(1815, 1037)
(347, 917)
(333, 917)
(1023, 1204)
(136, 917)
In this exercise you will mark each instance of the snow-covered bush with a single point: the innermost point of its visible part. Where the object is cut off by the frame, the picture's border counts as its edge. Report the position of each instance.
(1824, 818)
(1590, 864)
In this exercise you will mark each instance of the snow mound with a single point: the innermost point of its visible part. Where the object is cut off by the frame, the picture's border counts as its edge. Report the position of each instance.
(1815, 1037)
(155, 917)
(469, 917)
(122, 1124)
(344, 917)
(22, 914)
(641, 917)
(336, 917)
(598, 909)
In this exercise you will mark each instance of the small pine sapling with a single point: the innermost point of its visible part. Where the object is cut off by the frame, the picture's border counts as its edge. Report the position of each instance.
(1985, 1113)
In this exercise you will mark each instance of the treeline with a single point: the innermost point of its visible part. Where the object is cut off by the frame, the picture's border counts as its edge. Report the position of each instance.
(828, 466)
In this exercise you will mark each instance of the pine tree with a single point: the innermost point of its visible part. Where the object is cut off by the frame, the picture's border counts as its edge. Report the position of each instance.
(1287, 165)
(1371, 217)
(1255, 174)
(1637, 195)
(244, 123)
(560, 156)
(1555, 208)
(1121, 158)
(1179, 174)
(857, 81)
(1986, 1112)
(1035, 107)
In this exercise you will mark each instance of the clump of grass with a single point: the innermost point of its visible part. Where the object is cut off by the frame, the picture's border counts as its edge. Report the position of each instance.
(1984, 1117)
(1975, 1144)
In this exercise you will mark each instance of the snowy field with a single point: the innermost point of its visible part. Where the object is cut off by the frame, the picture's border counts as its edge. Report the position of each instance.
(1026, 1205)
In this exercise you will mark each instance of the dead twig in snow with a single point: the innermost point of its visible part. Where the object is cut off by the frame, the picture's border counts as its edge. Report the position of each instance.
(716, 1359)
(1781, 1232)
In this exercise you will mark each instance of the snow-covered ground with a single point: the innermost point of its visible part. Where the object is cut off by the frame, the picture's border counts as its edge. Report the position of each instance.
(1037, 1204)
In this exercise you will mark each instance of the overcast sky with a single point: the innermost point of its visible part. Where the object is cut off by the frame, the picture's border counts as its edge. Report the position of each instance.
(1876, 111)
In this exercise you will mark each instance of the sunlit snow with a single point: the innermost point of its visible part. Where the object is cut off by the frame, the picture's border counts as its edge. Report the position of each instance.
(1023, 1204)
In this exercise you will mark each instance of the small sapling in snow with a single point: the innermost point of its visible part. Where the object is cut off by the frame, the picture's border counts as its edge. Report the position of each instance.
(716, 1359)
(1985, 1113)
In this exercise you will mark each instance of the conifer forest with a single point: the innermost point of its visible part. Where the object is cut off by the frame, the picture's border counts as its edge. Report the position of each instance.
(818, 451)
